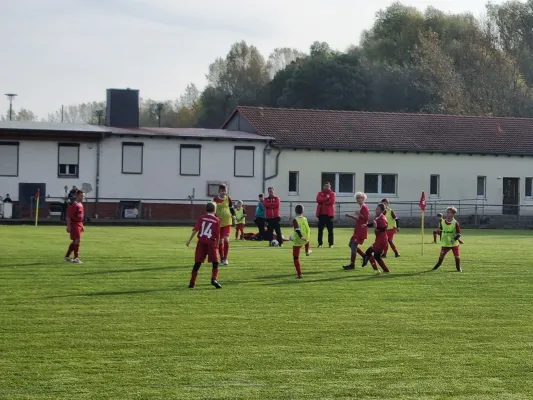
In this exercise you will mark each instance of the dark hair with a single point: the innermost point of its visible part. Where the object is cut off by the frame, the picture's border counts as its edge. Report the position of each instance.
(382, 207)
(222, 186)
(326, 183)
(261, 195)
(79, 192)
(271, 187)
(386, 201)
(439, 215)
(299, 209)
(210, 207)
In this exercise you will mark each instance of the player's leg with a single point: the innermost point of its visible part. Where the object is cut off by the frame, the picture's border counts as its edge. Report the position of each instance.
(457, 256)
(212, 257)
(277, 227)
(329, 225)
(381, 262)
(270, 230)
(391, 244)
(321, 225)
(308, 250)
(435, 236)
(261, 228)
(353, 245)
(296, 259)
(443, 252)
(227, 234)
(69, 251)
(75, 234)
(200, 254)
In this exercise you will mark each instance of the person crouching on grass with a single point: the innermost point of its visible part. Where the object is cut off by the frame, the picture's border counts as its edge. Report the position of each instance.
(451, 237)
(208, 229)
(374, 252)
(75, 218)
(240, 220)
(301, 235)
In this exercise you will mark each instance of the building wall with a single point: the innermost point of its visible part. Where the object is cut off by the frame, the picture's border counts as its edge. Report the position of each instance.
(38, 163)
(161, 179)
(458, 176)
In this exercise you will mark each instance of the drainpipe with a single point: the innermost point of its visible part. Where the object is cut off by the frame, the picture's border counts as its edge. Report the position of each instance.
(97, 190)
(266, 178)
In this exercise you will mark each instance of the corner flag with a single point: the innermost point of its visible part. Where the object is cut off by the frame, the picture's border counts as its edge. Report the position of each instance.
(422, 205)
(37, 196)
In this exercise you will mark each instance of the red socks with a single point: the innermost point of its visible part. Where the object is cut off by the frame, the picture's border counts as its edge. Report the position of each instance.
(383, 265)
(435, 236)
(221, 250)
(70, 250)
(307, 247)
(393, 247)
(226, 250)
(194, 275)
(76, 248)
(298, 267)
(214, 273)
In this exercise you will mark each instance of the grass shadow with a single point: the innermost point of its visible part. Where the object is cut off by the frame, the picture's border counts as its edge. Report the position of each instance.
(119, 271)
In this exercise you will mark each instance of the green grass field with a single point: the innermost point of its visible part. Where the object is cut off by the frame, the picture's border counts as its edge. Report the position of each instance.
(124, 325)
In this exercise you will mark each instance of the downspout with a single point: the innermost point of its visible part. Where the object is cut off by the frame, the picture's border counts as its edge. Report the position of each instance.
(266, 178)
(97, 190)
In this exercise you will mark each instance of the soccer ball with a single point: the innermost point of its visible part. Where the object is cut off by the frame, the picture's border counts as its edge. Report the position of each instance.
(274, 243)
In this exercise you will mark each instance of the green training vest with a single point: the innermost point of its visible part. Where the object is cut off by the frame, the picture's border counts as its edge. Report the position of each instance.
(390, 221)
(448, 233)
(304, 229)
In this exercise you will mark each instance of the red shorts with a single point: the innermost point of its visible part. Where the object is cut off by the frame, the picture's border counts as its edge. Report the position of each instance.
(240, 226)
(75, 232)
(357, 240)
(225, 231)
(445, 250)
(206, 249)
(379, 247)
(390, 233)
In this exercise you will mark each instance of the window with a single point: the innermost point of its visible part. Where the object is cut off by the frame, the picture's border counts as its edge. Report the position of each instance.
(294, 182)
(382, 184)
(243, 161)
(190, 159)
(341, 183)
(132, 157)
(481, 187)
(9, 159)
(529, 188)
(68, 160)
(434, 185)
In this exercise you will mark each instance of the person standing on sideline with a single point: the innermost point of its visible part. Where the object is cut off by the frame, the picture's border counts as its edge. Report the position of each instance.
(325, 212)
(260, 217)
(272, 204)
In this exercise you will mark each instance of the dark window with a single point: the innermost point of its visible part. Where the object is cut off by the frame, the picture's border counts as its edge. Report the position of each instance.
(346, 183)
(293, 182)
(388, 184)
(481, 186)
(68, 159)
(529, 182)
(329, 177)
(434, 185)
(371, 183)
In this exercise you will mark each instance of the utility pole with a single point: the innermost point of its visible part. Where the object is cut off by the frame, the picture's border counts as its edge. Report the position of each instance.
(11, 96)
(99, 114)
(159, 109)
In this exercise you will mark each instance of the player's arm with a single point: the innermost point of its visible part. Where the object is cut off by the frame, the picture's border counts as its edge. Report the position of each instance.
(319, 199)
(393, 215)
(243, 214)
(381, 226)
(363, 215)
(457, 232)
(331, 200)
(354, 216)
(194, 232)
(68, 217)
(269, 204)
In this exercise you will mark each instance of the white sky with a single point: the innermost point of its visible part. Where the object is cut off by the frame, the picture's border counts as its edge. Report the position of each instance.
(69, 51)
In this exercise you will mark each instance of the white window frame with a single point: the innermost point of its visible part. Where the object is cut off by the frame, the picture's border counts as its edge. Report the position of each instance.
(133, 144)
(337, 180)
(17, 145)
(433, 195)
(530, 197)
(77, 164)
(212, 188)
(297, 183)
(191, 146)
(236, 171)
(380, 192)
(484, 196)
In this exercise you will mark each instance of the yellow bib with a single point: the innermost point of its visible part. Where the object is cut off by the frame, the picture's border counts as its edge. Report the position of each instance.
(390, 221)
(448, 233)
(305, 230)
(223, 212)
(240, 214)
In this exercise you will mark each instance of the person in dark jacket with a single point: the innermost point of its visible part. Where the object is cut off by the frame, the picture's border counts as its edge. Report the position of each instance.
(325, 212)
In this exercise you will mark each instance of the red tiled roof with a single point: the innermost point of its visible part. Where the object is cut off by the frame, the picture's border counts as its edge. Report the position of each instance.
(376, 131)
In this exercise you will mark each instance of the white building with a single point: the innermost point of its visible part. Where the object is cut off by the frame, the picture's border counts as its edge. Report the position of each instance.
(482, 164)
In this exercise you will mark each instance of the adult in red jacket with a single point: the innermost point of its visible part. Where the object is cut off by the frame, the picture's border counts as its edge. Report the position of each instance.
(272, 216)
(325, 212)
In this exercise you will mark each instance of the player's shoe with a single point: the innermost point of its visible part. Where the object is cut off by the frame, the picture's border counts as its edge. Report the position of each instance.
(216, 284)
(191, 286)
(348, 267)
(319, 246)
(365, 261)
(68, 259)
(397, 255)
(459, 269)
(384, 255)
(330, 246)
(224, 262)
(309, 252)
(436, 267)
(299, 277)
(77, 261)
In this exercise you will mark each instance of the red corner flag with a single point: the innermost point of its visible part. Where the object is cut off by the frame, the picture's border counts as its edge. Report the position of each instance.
(422, 203)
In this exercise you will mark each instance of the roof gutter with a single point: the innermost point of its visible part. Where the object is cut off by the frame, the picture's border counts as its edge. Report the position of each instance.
(265, 152)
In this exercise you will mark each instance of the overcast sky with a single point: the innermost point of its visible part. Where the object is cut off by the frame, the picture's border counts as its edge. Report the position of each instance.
(69, 51)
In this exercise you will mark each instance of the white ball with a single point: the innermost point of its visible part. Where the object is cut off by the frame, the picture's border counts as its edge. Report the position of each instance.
(274, 243)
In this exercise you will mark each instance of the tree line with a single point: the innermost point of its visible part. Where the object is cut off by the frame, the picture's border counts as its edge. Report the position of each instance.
(409, 61)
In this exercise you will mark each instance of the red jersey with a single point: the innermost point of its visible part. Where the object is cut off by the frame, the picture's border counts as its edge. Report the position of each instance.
(381, 224)
(361, 230)
(272, 204)
(76, 214)
(208, 227)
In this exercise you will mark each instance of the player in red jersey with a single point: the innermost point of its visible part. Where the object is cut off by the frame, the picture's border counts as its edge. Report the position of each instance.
(393, 227)
(360, 232)
(207, 228)
(75, 218)
(374, 252)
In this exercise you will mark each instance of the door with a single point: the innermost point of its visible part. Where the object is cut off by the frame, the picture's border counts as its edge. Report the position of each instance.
(511, 196)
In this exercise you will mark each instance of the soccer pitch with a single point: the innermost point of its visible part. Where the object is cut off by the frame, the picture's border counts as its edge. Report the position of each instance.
(124, 325)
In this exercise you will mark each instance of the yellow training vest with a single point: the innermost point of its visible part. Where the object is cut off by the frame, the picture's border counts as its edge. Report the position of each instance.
(391, 221)
(448, 233)
(305, 230)
(223, 212)
(238, 215)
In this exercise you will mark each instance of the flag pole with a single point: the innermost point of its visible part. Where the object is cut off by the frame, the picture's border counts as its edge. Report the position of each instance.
(422, 230)
(37, 207)
(422, 205)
